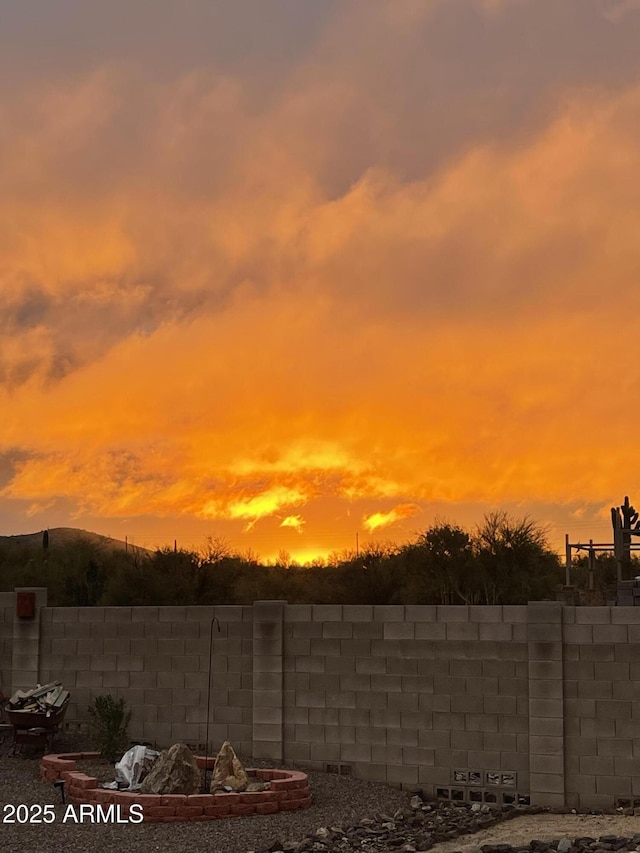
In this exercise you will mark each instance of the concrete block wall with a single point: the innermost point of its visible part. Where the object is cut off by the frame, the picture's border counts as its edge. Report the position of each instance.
(478, 703)
(7, 611)
(408, 695)
(157, 660)
(602, 705)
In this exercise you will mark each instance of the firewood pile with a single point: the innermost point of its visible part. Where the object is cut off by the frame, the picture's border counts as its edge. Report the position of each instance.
(45, 698)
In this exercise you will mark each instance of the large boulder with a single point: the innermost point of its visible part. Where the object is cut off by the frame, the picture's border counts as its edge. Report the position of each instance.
(228, 772)
(175, 772)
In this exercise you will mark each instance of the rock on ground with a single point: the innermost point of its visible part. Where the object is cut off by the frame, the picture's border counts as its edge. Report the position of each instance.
(228, 771)
(175, 772)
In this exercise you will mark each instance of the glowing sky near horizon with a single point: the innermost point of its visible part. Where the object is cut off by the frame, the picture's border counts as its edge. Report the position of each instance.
(282, 272)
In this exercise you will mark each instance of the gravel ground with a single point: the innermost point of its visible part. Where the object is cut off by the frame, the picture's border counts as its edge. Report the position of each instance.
(335, 800)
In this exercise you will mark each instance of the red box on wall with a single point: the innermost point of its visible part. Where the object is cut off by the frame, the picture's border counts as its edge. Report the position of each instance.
(25, 605)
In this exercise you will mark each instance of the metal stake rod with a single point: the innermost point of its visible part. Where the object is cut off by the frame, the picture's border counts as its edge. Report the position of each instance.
(206, 746)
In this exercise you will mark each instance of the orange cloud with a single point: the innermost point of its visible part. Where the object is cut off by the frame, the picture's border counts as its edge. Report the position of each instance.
(235, 353)
(294, 521)
(386, 519)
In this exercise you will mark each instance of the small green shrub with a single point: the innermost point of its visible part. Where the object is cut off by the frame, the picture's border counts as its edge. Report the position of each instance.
(109, 724)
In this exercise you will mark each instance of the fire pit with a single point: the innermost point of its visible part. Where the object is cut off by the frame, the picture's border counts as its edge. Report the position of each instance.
(288, 790)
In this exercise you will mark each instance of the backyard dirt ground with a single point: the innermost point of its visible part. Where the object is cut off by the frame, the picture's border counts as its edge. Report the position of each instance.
(544, 827)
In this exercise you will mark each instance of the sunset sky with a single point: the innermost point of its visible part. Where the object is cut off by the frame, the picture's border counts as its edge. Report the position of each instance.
(288, 271)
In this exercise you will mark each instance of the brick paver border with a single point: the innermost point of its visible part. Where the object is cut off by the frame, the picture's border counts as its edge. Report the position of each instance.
(288, 790)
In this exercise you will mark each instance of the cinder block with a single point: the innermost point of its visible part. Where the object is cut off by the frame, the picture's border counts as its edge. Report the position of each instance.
(590, 727)
(388, 613)
(344, 665)
(498, 742)
(593, 615)
(546, 764)
(545, 745)
(326, 612)
(434, 702)
(271, 698)
(463, 631)
(515, 613)
(170, 679)
(545, 651)
(324, 647)
(402, 775)
(405, 701)
(419, 649)
(452, 650)
(309, 733)
(543, 689)
(599, 652)
(310, 663)
(481, 722)
(186, 630)
(546, 726)
(613, 785)
(547, 708)
(386, 683)
(371, 772)
(440, 776)
(613, 671)
(386, 718)
(368, 630)
(355, 752)
(430, 739)
(613, 709)
(430, 630)
(610, 634)
(323, 716)
(539, 632)
(356, 682)
(451, 685)
(486, 613)
(346, 699)
(297, 613)
(581, 783)
(358, 648)
(501, 705)
(546, 783)
(401, 737)
(595, 690)
(357, 612)
(615, 747)
(337, 630)
(483, 759)
(399, 631)
(268, 663)
(625, 615)
(452, 613)
(517, 762)
(501, 633)
(626, 767)
(578, 634)
(305, 631)
(420, 756)
(595, 802)
(290, 716)
(544, 611)
(467, 704)
(340, 734)
(462, 740)
(292, 752)
(368, 700)
(449, 722)
(578, 670)
(174, 646)
(420, 613)
(406, 667)
(625, 653)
